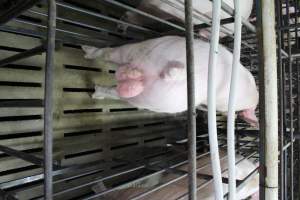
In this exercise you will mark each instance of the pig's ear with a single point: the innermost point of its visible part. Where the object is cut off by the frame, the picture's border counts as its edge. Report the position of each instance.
(174, 71)
(249, 116)
(130, 88)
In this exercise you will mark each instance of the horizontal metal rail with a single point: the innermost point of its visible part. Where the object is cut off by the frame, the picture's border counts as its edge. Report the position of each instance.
(22, 55)
(73, 22)
(113, 2)
(153, 174)
(143, 178)
(104, 17)
(24, 156)
(14, 11)
(211, 180)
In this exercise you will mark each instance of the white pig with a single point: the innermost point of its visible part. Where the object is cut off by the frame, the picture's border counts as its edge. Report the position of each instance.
(152, 75)
(164, 10)
(177, 189)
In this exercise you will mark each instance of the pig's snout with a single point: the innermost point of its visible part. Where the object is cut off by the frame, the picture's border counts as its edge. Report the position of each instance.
(130, 81)
(130, 88)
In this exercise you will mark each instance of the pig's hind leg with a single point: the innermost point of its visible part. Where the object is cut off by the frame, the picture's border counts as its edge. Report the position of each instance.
(105, 92)
(174, 71)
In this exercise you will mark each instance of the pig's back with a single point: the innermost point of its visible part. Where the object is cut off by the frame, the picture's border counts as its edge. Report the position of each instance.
(159, 95)
(171, 96)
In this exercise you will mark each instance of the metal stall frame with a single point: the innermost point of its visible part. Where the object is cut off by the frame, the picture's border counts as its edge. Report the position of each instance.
(211, 99)
(191, 100)
(47, 163)
(48, 110)
(268, 100)
(231, 101)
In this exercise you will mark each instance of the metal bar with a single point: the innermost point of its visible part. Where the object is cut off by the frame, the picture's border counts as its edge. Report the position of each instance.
(285, 175)
(231, 104)
(281, 98)
(222, 22)
(21, 6)
(197, 15)
(139, 196)
(297, 177)
(231, 12)
(291, 107)
(192, 174)
(268, 102)
(60, 30)
(48, 96)
(127, 171)
(96, 28)
(211, 94)
(297, 55)
(121, 173)
(196, 27)
(182, 197)
(38, 34)
(145, 14)
(98, 15)
(241, 184)
(22, 55)
(142, 178)
(286, 146)
(248, 177)
(24, 156)
(65, 170)
(7, 195)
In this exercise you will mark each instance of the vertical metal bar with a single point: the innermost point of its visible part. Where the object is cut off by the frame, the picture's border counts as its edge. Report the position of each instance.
(287, 5)
(192, 172)
(211, 94)
(281, 96)
(48, 131)
(285, 176)
(232, 96)
(298, 99)
(268, 104)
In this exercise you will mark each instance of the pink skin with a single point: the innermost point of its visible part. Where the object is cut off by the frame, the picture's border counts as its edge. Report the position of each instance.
(255, 196)
(249, 116)
(130, 81)
(128, 72)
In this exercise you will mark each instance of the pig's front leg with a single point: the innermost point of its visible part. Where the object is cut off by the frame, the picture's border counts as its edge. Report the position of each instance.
(113, 55)
(93, 52)
(105, 92)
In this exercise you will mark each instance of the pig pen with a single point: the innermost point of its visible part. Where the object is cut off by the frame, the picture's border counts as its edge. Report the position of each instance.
(109, 141)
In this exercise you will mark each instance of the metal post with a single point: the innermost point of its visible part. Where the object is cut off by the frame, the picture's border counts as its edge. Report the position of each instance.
(291, 101)
(192, 172)
(232, 96)
(211, 94)
(48, 131)
(281, 96)
(268, 104)
(285, 175)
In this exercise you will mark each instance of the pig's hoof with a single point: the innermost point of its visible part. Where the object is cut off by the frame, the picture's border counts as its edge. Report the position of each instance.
(89, 51)
(97, 96)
